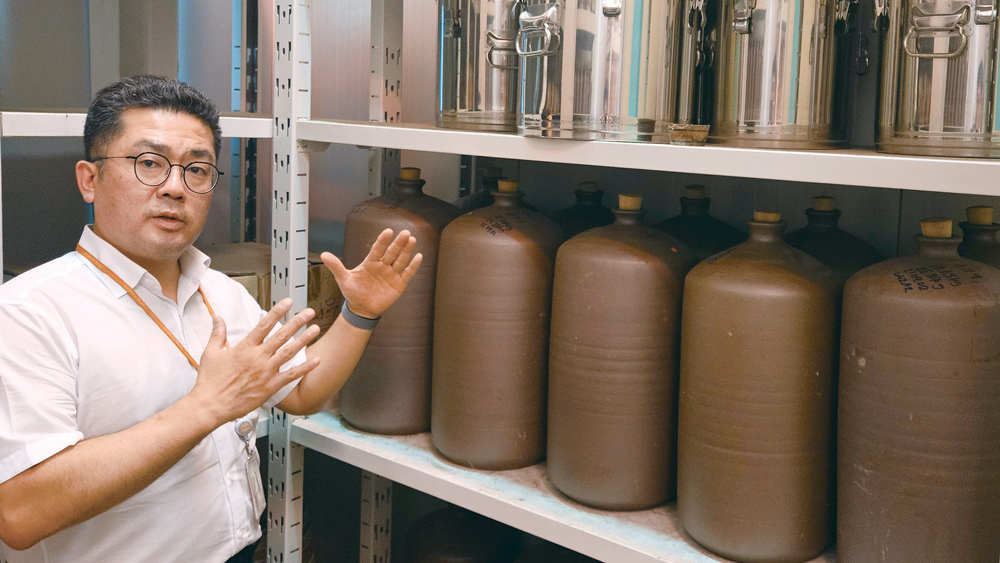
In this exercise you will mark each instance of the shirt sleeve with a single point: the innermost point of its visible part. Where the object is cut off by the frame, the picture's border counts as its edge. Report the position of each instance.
(38, 400)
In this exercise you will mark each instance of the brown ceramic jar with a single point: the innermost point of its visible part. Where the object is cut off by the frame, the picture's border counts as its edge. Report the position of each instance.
(491, 334)
(919, 415)
(389, 392)
(822, 239)
(980, 240)
(758, 340)
(616, 305)
(704, 234)
(456, 535)
(587, 213)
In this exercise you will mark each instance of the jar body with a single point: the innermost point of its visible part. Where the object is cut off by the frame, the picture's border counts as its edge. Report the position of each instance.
(755, 440)
(919, 413)
(493, 302)
(389, 391)
(613, 366)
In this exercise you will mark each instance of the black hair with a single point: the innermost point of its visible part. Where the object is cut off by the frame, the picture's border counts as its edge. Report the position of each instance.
(104, 117)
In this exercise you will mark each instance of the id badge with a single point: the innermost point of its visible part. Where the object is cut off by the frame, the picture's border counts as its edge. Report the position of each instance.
(256, 485)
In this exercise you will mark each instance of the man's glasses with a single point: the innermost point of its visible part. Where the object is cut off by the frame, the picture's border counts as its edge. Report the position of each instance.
(153, 169)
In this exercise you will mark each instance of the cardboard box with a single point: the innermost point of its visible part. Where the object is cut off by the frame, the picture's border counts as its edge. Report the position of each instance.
(250, 264)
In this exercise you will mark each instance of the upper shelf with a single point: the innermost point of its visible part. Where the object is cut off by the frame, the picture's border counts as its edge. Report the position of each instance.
(70, 124)
(844, 167)
(521, 498)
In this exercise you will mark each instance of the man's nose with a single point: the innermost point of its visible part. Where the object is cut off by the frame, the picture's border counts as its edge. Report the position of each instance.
(173, 187)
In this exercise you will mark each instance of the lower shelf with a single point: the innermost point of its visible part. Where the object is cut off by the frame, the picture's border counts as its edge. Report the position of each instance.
(522, 498)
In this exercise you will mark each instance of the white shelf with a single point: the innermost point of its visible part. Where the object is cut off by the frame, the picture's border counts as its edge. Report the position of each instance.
(845, 167)
(70, 124)
(522, 498)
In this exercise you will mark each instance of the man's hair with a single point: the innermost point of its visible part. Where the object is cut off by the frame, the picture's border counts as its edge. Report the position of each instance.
(104, 117)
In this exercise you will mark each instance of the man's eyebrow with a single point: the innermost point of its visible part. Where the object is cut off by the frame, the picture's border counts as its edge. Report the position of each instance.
(161, 148)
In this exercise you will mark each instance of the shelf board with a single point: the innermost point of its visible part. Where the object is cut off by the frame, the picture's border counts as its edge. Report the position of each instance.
(522, 498)
(844, 167)
(70, 124)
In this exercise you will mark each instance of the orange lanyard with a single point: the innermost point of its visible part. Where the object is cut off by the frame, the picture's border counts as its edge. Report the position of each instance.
(138, 301)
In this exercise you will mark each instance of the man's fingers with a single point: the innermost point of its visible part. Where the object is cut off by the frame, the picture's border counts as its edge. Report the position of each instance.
(292, 347)
(288, 330)
(267, 322)
(411, 270)
(404, 257)
(334, 264)
(380, 246)
(396, 248)
(218, 338)
(285, 377)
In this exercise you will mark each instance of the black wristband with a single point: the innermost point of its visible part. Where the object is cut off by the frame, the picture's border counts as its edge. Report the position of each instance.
(357, 320)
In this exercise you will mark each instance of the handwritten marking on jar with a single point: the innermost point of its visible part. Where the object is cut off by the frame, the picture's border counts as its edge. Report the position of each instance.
(499, 224)
(935, 277)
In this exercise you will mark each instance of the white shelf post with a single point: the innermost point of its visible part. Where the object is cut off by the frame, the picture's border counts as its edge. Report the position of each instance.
(384, 105)
(289, 245)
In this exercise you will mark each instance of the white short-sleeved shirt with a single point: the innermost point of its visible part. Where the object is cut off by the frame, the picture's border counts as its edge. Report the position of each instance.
(79, 359)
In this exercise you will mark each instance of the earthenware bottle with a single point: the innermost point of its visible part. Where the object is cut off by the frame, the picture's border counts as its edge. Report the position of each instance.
(825, 241)
(616, 311)
(587, 213)
(704, 234)
(918, 466)
(758, 341)
(484, 196)
(491, 334)
(979, 242)
(389, 392)
(456, 535)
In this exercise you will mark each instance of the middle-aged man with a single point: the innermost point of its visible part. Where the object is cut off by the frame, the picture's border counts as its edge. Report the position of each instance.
(128, 368)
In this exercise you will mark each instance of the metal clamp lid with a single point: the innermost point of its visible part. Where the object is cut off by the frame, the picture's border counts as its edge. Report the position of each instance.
(933, 26)
(502, 51)
(986, 11)
(611, 8)
(744, 13)
(543, 27)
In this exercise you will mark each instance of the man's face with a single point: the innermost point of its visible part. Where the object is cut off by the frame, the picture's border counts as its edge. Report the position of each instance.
(149, 224)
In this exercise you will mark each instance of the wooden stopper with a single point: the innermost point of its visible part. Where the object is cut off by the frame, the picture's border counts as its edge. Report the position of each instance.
(936, 227)
(766, 216)
(694, 192)
(588, 186)
(507, 186)
(629, 202)
(824, 203)
(979, 214)
(409, 174)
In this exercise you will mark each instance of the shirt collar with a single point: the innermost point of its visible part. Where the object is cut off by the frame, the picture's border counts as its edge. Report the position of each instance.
(194, 263)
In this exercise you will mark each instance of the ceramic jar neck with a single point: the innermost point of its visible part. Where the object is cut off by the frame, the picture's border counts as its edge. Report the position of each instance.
(823, 219)
(937, 246)
(695, 207)
(589, 198)
(410, 186)
(766, 232)
(628, 218)
(507, 199)
(984, 234)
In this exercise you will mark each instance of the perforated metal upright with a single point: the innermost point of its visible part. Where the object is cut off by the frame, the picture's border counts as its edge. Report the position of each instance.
(289, 268)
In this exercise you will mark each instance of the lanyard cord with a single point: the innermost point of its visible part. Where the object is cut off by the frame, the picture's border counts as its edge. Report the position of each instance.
(138, 300)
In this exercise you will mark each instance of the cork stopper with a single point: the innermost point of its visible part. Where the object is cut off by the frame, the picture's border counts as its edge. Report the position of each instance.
(629, 202)
(979, 214)
(936, 227)
(507, 186)
(694, 192)
(411, 174)
(588, 186)
(767, 216)
(824, 203)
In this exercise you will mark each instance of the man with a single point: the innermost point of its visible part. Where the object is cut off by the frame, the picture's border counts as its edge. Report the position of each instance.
(128, 368)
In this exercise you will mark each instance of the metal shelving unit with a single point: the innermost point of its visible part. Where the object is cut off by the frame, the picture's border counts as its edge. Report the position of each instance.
(523, 498)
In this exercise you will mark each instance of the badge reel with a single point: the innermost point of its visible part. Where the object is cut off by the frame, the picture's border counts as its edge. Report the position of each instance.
(244, 429)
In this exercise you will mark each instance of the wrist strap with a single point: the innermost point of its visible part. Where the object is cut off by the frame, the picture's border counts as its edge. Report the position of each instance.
(356, 320)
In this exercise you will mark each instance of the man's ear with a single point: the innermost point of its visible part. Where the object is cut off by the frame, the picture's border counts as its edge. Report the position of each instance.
(86, 175)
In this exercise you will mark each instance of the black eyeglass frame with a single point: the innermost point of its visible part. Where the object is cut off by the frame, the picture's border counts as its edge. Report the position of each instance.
(170, 167)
